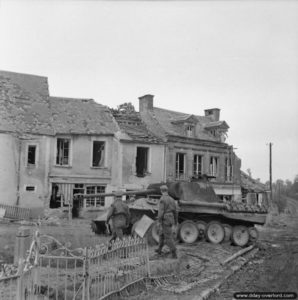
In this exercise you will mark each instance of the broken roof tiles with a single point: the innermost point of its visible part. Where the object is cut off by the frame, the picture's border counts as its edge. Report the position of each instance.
(24, 105)
(250, 184)
(165, 122)
(135, 128)
(81, 116)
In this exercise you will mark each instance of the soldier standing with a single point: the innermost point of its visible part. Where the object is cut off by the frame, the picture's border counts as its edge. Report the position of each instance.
(167, 218)
(119, 213)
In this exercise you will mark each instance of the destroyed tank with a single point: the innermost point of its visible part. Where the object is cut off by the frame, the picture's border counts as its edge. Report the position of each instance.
(201, 214)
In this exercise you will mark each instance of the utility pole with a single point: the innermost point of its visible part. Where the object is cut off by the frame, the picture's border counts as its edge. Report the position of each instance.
(270, 169)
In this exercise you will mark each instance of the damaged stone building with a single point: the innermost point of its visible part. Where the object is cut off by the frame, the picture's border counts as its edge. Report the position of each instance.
(141, 153)
(195, 146)
(53, 148)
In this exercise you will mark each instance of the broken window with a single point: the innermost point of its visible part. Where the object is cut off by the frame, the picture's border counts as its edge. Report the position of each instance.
(95, 201)
(63, 148)
(197, 165)
(228, 169)
(180, 166)
(142, 161)
(31, 158)
(189, 130)
(56, 196)
(213, 166)
(98, 154)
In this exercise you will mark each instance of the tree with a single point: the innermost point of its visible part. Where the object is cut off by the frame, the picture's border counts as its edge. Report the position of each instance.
(124, 108)
(294, 190)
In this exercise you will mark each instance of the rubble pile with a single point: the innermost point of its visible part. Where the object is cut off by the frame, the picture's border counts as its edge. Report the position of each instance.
(54, 216)
(7, 270)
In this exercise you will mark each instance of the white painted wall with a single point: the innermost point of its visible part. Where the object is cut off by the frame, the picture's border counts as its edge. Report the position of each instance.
(8, 168)
(37, 175)
(155, 164)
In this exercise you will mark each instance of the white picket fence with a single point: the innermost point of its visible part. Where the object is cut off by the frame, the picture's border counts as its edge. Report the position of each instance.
(51, 271)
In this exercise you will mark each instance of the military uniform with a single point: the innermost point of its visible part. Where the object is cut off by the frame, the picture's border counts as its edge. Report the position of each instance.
(119, 213)
(167, 217)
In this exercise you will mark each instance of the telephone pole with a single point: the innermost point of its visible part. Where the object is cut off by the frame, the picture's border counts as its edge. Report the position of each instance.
(270, 169)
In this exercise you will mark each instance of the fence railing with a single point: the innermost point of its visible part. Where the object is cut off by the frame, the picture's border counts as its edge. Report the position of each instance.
(15, 212)
(51, 271)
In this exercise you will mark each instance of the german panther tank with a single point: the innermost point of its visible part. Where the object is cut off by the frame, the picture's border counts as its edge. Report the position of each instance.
(201, 213)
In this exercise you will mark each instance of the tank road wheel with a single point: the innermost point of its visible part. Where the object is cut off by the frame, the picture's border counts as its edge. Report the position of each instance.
(240, 235)
(228, 232)
(253, 234)
(215, 232)
(202, 229)
(188, 232)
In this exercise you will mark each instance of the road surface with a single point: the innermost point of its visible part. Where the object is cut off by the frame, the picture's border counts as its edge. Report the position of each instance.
(275, 267)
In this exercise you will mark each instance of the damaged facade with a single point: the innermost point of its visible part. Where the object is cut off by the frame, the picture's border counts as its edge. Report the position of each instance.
(195, 146)
(82, 153)
(253, 191)
(53, 148)
(25, 138)
(141, 153)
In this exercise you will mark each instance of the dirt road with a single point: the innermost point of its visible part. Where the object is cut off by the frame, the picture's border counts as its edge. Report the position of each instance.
(275, 267)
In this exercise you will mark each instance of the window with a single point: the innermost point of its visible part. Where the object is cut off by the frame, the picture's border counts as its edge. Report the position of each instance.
(142, 161)
(197, 165)
(213, 166)
(31, 158)
(63, 149)
(189, 130)
(98, 154)
(30, 188)
(213, 132)
(78, 189)
(228, 169)
(180, 166)
(225, 198)
(95, 201)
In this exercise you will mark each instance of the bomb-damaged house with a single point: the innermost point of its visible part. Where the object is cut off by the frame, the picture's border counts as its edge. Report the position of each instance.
(53, 147)
(195, 146)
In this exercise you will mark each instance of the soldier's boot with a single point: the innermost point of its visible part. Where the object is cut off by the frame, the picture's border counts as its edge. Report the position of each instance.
(158, 251)
(174, 254)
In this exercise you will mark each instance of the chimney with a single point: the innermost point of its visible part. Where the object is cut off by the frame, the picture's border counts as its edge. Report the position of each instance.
(213, 114)
(146, 103)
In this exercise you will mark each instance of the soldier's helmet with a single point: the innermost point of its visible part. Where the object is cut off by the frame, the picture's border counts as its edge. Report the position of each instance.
(164, 188)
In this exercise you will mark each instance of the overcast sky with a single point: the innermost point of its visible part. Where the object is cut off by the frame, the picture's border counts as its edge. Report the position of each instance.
(239, 56)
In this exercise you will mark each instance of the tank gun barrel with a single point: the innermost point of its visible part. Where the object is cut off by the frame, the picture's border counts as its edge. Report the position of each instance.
(201, 203)
(138, 192)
